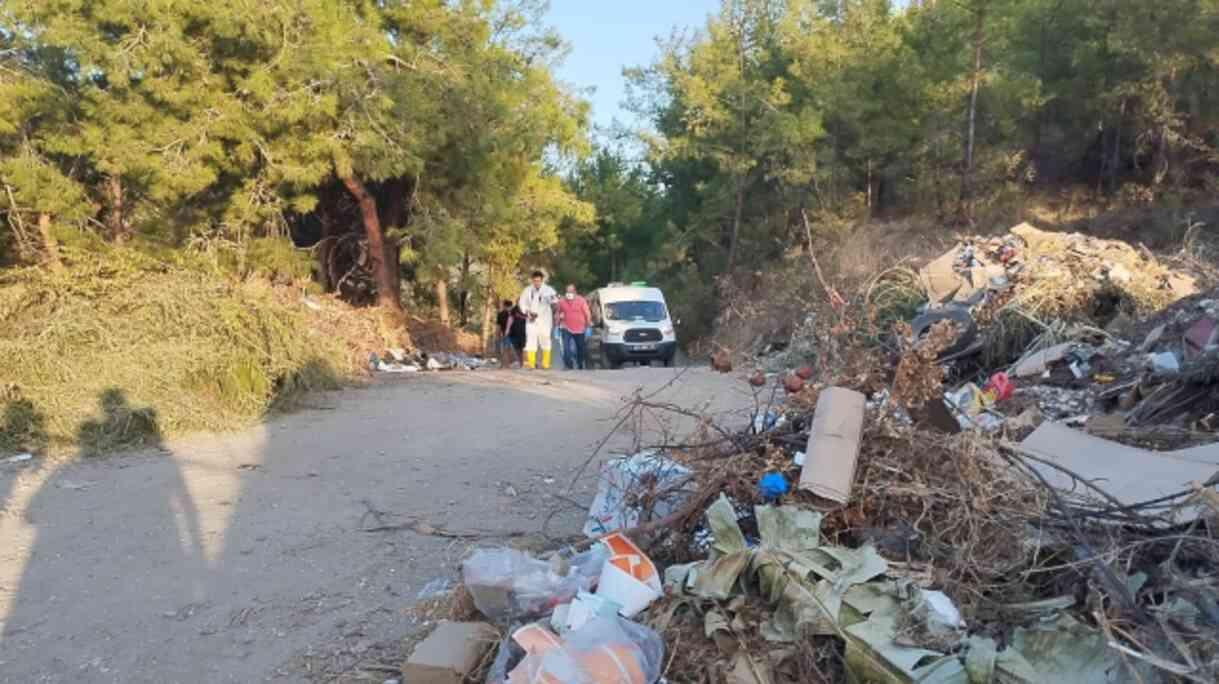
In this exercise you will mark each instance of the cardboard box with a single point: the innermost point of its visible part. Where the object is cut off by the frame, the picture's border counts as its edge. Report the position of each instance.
(833, 446)
(450, 653)
(940, 279)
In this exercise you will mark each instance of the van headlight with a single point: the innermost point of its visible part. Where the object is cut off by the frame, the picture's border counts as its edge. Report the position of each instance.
(668, 331)
(614, 333)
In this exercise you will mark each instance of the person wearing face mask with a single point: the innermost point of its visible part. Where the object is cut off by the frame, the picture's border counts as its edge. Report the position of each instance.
(574, 318)
(538, 304)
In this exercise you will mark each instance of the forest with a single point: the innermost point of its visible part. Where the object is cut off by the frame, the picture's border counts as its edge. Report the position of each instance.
(429, 141)
(416, 157)
(388, 137)
(952, 113)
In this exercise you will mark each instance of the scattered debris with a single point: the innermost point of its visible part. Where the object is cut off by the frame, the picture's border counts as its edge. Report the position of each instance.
(629, 578)
(1019, 485)
(450, 653)
(437, 587)
(507, 583)
(400, 361)
(19, 458)
(603, 651)
(773, 485)
(1039, 362)
(628, 484)
(1202, 337)
(722, 361)
(1164, 362)
(585, 607)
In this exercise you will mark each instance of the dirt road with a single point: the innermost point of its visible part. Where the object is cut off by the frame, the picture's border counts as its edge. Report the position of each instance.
(242, 557)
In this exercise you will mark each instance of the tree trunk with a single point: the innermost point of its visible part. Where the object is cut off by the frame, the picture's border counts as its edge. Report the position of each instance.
(870, 198)
(489, 305)
(1162, 163)
(442, 300)
(378, 246)
(1039, 120)
(968, 166)
(463, 297)
(48, 241)
(25, 246)
(1106, 86)
(1163, 151)
(734, 239)
(1115, 162)
(116, 220)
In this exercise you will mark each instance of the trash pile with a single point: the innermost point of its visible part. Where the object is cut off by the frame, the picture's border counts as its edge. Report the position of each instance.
(567, 619)
(1019, 485)
(1051, 274)
(1087, 361)
(400, 361)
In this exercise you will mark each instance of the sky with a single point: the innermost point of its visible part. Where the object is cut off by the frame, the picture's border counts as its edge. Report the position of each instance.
(607, 35)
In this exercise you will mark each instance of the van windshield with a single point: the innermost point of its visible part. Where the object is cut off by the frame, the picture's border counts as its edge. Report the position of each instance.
(653, 312)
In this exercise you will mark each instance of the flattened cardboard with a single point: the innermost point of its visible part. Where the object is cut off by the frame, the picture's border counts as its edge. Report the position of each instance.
(1039, 362)
(1201, 337)
(833, 446)
(450, 652)
(1130, 474)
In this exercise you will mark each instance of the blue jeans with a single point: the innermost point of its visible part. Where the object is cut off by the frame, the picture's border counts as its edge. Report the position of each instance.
(573, 350)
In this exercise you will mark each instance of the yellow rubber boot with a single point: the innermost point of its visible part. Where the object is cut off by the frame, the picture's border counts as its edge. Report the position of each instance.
(546, 359)
(531, 359)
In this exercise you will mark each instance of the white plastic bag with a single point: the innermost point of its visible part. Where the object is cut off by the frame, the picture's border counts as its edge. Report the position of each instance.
(506, 583)
(622, 483)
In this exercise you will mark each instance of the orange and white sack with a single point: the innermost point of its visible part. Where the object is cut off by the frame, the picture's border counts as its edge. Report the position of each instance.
(603, 651)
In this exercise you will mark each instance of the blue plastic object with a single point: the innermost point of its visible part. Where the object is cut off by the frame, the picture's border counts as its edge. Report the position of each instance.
(772, 486)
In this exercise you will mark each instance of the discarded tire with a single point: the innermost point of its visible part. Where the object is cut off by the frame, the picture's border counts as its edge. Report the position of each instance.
(961, 316)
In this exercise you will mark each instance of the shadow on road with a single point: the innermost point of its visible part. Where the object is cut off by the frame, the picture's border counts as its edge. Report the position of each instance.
(68, 571)
(236, 557)
(23, 430)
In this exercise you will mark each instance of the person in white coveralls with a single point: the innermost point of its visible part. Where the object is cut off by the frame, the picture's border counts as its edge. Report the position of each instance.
(538, 302)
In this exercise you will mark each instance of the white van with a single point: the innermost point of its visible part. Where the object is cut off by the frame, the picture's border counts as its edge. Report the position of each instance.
(631, 324)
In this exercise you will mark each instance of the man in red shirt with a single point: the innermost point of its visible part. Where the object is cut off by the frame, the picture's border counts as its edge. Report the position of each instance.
(574, 319)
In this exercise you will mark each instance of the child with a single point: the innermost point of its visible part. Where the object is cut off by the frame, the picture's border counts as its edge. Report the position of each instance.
(503, 328)
(515, 332)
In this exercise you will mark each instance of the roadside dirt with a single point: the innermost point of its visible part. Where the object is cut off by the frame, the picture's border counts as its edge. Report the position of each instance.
(238, 558)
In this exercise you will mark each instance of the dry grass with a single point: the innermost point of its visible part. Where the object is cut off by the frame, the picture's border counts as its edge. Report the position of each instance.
(874, 260)
(120, 349)
(431, 336)
(874, 247)
(960, 507)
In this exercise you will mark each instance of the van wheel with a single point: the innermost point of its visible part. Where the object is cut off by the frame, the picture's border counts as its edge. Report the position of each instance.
(615, 365)
(668, 362)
